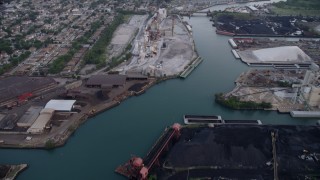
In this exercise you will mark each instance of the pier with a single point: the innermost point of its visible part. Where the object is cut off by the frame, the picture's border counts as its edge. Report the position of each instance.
(136, 168)
(191, 67)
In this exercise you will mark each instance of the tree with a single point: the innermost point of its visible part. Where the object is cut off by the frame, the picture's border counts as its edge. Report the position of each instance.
(49, 144)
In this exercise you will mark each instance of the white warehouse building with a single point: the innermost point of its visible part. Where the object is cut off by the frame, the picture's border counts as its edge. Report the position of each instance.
(41, 122)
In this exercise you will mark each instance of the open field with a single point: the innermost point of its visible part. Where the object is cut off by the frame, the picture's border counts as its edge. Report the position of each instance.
(297, 7)
(294, 12)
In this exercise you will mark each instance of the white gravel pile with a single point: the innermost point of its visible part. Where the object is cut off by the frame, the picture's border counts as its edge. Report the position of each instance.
(284, 53)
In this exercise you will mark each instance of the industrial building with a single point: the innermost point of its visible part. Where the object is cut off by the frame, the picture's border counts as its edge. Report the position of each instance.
(29, 117)
(41, 122)
(37, 118)
(106, 81)
(14, 90)
(60, 105)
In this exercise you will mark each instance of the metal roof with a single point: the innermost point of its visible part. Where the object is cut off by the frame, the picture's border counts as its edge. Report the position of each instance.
(41, 122)
(29, 116)
(60, 105)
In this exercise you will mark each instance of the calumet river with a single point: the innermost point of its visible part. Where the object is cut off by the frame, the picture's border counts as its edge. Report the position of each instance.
(109, 139)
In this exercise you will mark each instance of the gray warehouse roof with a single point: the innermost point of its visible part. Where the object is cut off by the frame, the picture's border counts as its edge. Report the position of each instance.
(60, 105)
(30, 116)
(110, 79)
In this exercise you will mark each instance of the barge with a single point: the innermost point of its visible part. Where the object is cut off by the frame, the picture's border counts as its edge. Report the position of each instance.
(213, 119)
(202, 119)
(235, 54)
(243, 121)
(191, 67)
(232, 44)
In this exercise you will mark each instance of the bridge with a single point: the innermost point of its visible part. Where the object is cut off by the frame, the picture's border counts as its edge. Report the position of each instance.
(136, 168)
(193, 13)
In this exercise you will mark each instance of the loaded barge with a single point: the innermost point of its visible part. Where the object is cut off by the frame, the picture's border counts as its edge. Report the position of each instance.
(203, 119)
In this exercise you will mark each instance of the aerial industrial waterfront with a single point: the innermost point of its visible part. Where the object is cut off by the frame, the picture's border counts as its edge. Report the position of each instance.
(49, 109)
(142, 55)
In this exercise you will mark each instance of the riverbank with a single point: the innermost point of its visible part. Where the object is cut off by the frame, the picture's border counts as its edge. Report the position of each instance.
(271, 86)
(226, 3)
(10, 172)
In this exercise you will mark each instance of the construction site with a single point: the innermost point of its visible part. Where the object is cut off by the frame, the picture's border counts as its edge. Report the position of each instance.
(230, 152)
(164, 47)
(286, 90)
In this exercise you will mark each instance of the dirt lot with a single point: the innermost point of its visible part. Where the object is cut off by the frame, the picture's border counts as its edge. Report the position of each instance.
(172, 53)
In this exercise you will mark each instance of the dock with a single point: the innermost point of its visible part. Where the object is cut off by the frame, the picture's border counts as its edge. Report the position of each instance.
(232, 44)
(305, 114)
(137, 168)
(191, 67)
(235, 54)
(243, 152)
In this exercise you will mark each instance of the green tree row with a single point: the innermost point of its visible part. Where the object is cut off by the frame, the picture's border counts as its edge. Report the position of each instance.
(97, 54)
(235, 103)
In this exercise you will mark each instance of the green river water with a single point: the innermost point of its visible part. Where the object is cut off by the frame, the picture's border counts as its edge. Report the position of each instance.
(109, 139)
